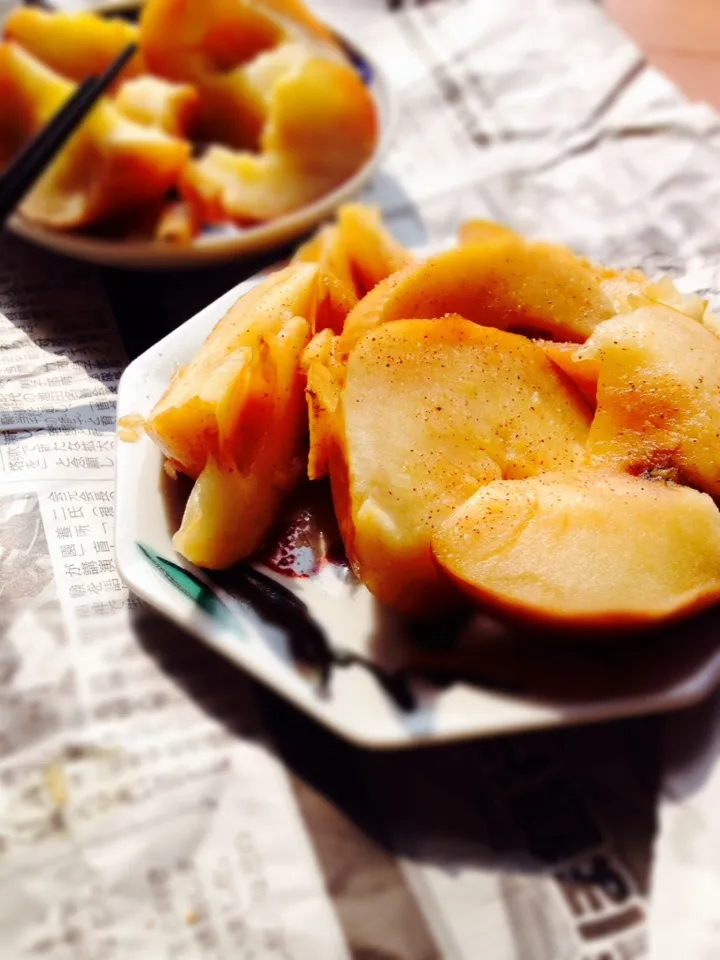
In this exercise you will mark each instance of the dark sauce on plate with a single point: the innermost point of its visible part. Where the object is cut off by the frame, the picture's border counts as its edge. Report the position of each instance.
(308, 537)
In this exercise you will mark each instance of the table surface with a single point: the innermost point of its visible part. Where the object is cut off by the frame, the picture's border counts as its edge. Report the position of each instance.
(680, 37)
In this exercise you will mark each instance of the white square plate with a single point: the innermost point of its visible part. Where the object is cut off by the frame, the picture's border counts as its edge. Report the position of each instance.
(492, 681)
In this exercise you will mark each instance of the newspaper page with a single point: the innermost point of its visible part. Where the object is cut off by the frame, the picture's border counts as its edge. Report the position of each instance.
(685, 906)
(154, 802)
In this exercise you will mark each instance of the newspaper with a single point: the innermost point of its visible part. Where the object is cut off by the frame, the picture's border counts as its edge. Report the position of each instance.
(154, 802)
(685, 907)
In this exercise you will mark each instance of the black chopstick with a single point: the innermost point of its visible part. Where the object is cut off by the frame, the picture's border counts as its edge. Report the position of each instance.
(27, 167)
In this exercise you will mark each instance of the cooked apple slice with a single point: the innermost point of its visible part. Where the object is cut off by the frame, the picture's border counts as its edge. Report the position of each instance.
(235, 419)
(583, 372)
(357, 249)
(368, 312)
(324, 374)
(185, 421)
(711, 322)
(176, 224)
(182, 40)
(356, 254)
(31, 93)
(658, 397)
(208, 44)
(482, 231)
(585, 548)
(373, 253)
(323, 118)
(75, 45)
(631, 289)
(327, 250)
(506, 283)
(110, 165)
(335, 303)
(618, 285)
(235, 103)
(153, 102)
(509, 284)
(259, 453)
(321, 127)
(245, 187)
(664, 293)
(358, 246)
(233, 51)
(430, 411)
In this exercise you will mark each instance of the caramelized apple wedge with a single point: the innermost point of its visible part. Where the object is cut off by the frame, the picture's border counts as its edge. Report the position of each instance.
(325, 247)
(631, 289)
(510, 284)
(75, 45)
(152, 102)
(355, 254)
(321, 127)
(235, 104)
(176, 224)
(183, 40)
(244, 187)
(618, 285)
(368, 312)
(483, 231)
(505, 282)
(658, 396)
(327, 250)
(324, 375)
(583, 372)
(373, 253)
(110, 165)
(186, 421)
(235, 419)
(430, 411)
(585, 549)
(259, 449)
(233, 51)
(31, 93)
(358, 249)
(212, 46)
